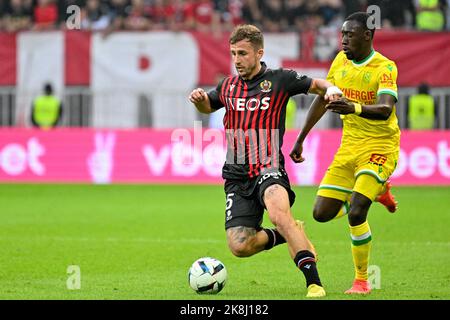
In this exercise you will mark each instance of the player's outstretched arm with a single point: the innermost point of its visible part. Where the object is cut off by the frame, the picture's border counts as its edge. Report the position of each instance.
(325, 89)
(201, 100)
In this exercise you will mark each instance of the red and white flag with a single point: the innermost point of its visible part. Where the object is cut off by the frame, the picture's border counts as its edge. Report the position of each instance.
(161, 67)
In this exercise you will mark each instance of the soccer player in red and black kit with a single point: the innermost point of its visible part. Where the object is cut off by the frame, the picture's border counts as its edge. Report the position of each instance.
(255, 179)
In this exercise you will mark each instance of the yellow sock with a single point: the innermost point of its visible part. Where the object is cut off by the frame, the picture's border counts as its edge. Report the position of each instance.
(361, 243)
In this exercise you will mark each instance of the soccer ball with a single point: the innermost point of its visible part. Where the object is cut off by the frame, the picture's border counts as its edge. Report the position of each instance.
(207, 275)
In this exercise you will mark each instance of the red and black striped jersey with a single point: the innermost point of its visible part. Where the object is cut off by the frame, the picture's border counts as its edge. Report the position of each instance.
(255, 117)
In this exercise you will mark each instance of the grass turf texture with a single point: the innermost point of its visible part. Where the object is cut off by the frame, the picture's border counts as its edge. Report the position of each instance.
(138, 242)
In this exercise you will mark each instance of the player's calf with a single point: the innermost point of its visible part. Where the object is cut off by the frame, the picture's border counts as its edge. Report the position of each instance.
(301, 225)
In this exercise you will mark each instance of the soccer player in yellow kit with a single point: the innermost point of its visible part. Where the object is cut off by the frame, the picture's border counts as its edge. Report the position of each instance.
(370, 142)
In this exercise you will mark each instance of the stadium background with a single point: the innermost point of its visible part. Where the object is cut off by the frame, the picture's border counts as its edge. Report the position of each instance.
(124, 77)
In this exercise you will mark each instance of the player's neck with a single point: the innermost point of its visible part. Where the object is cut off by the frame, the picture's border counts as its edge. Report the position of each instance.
(364, 56)
(254, 73)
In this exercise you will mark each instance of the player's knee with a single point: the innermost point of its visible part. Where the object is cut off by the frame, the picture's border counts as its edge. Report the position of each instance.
(321, 215)
(240, 249)
(242, 241)
(356, 217)
(358, 210)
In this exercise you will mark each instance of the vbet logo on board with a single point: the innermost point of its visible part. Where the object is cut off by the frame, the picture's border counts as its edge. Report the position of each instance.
(16, 158)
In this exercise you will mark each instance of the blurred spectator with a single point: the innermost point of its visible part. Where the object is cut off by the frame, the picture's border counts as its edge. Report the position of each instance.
(29, 5)
(46, 109)
(2, 13)
(218, 15)
(429, 16)
(446, 9)
(167, 14)
(295, 15)
(421, 109)
(119, 10)
(138, 18)
(45, 15)
(17, 16)
(201, 16)
(314, 18)
(189, 14)
(331, 11)
(351, 6)
(443, 5)
(95, 16)
(274, 16)
(326, 44)
(395, 14)
(230, 13)
(251, 12)
(235, 12)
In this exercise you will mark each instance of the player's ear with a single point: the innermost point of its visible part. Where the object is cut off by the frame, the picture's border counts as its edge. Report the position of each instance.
(367, 35)
(260, 53)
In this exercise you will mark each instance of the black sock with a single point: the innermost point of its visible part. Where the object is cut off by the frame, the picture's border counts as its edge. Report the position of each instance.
(275, 238)
(306, 262)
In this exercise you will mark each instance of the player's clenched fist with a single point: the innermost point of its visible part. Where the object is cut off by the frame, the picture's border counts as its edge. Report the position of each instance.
(197, 95)
(296, 153)
(201, 100)
(333, 93)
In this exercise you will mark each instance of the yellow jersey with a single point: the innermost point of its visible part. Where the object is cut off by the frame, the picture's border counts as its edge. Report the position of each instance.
(363, 82)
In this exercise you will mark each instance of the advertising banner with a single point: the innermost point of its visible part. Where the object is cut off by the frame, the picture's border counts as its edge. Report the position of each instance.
(188, 156)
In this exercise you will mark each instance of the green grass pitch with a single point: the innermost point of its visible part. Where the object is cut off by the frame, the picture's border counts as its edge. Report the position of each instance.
(138, 242)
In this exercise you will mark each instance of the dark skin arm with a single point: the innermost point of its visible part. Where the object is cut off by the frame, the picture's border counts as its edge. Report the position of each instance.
(380, 111)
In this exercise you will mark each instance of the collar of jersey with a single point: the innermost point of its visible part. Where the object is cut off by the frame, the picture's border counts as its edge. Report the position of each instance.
(263, 69)
(364, 61)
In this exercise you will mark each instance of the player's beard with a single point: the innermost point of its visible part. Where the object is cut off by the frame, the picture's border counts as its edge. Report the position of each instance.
(246, 71)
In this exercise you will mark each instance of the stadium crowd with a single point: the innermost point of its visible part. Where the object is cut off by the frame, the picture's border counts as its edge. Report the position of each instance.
(210, 15)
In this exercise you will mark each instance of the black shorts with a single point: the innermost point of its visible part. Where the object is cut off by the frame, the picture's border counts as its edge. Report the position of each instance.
(244, 199)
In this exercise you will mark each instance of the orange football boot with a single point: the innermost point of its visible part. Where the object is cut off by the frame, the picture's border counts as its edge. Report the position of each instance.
(359, 287)
(387, 199)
